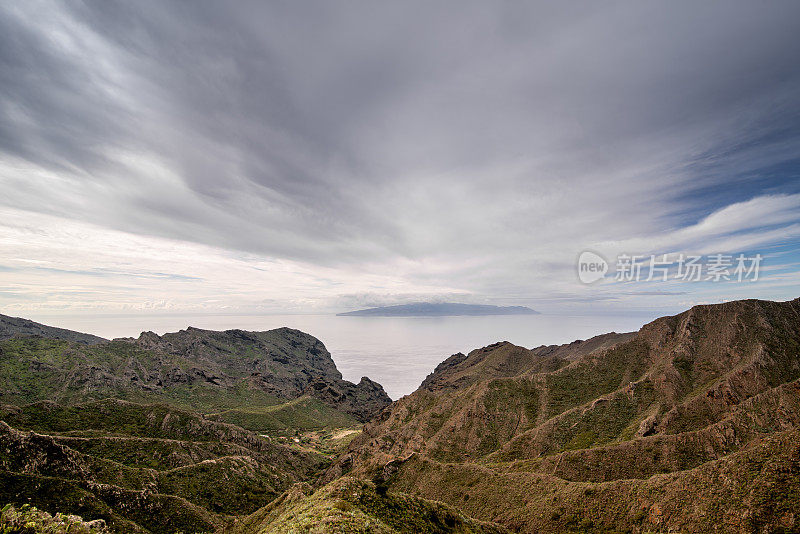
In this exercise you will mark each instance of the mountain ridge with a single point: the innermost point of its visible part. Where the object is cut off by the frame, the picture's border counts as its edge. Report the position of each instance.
(685, 391)
(690, 424)
(11, 327)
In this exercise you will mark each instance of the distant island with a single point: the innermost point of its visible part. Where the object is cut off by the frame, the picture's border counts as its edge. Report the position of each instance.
(442, 309)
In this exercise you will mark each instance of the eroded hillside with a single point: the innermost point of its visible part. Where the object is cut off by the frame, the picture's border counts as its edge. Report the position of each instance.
(613, 433)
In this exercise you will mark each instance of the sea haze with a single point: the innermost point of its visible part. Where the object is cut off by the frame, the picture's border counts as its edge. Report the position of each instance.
(440, 309)
(398, 352)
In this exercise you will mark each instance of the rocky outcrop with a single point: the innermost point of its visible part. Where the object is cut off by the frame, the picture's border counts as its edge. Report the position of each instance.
(363, 400)
(215, 370)
(283, 362)
(504, 359)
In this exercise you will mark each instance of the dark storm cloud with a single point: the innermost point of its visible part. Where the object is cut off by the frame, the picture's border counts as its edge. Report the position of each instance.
(441, 132)
(52, 112)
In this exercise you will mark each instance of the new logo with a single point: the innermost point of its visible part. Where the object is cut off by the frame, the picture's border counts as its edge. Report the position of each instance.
(591, 267)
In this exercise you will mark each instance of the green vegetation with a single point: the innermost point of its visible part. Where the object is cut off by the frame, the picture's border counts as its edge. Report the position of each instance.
(199, 398)
(130, 463)
(689, 425)
(28, 519)
(115, 417)
(303, 413)
(238, 375)
(354, 506)
(123, 510)
(591, 378)
(33, 369)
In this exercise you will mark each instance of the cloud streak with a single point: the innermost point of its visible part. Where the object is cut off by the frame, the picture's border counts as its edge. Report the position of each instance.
(387, 152)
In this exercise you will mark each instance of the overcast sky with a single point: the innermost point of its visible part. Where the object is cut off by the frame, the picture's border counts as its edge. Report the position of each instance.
(321, 156)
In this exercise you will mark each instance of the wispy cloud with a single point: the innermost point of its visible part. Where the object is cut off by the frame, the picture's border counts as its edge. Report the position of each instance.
(295, 157)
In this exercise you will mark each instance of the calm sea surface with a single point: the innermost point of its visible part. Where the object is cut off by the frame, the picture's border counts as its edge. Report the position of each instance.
(398, 352)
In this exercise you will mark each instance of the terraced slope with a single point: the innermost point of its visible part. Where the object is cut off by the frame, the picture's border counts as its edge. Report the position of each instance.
(549, 438)
(754, 490)
(142, 467)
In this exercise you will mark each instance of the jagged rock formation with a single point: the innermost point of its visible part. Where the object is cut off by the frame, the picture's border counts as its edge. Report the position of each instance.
(11, 327)
(283, 362)
(689, 424)
(362, 400)
(201, 369)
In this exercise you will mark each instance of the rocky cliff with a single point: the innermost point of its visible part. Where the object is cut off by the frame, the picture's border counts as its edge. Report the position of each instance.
(202, 369)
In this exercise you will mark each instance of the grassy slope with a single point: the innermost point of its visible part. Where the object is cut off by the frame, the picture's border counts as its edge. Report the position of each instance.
(303, 413)
(350, 506)
(754, 490)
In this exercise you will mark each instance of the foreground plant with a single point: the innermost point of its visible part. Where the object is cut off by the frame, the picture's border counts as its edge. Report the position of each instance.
(30, 520)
